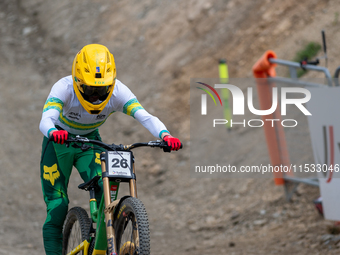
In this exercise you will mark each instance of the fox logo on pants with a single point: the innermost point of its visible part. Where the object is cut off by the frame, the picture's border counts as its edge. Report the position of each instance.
(51, 173)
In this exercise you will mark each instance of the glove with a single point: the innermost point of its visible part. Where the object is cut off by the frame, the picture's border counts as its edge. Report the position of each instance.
(172, 142)
(60, 136)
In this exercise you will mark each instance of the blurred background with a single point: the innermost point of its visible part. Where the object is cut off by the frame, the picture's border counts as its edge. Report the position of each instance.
(158, 46)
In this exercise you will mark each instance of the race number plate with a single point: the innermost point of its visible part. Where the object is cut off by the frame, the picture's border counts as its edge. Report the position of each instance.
(119, 164)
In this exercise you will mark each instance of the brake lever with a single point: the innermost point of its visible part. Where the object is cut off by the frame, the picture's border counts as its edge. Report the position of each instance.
(157, 143)
(85, 147)
(120, 147)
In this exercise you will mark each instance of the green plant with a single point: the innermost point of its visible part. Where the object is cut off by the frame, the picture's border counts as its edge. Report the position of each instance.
(308, 52)
(336, 18)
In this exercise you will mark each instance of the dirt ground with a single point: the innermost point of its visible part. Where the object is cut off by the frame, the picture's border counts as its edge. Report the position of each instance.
(158, 46)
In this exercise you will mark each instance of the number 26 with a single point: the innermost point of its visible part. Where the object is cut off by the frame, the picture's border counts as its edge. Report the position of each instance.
(116, 162)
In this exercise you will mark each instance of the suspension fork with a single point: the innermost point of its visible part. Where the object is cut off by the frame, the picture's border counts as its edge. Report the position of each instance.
(109, 206)
(111, 240)
(133, 183)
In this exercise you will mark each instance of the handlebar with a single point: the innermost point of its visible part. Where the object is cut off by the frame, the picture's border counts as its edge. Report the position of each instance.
(114, 147)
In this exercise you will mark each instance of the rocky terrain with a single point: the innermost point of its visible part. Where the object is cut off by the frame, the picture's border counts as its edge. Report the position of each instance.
(158, 46)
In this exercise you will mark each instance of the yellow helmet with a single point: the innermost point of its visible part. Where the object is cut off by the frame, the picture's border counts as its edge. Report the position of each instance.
(94, 77)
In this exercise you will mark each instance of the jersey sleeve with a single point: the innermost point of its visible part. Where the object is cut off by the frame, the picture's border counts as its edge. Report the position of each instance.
(151, 123)
(53, 107)
(128, 104)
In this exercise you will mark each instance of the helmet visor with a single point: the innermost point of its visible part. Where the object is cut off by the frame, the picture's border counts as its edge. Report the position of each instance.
(96, 90)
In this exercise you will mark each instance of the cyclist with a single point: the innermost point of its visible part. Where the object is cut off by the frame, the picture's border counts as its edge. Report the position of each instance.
(77, 105)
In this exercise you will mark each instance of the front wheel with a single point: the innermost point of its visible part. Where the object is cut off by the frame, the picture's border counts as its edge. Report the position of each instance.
(76, 229)
(132, 228)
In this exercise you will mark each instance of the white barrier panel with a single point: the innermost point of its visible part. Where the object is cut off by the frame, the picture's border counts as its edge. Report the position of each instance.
(324, 126)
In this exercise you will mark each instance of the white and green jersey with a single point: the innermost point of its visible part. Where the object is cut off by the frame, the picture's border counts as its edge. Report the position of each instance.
(63, 109)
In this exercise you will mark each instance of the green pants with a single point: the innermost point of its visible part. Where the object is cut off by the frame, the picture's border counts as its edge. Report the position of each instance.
(55, 169)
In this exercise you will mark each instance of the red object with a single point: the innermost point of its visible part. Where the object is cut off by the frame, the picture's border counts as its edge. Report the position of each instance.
(173, 142)
(275, 135)
(60, 136)
(263, 68)
(318, 205)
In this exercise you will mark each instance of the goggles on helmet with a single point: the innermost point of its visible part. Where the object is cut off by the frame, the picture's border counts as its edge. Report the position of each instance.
(96, 90)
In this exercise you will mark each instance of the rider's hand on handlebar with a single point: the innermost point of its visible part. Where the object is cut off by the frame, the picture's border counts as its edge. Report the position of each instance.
(59, 136)
(172, 142)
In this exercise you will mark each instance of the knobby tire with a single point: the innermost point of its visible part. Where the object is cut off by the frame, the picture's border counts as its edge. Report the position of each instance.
(76, 229)
(132, 228)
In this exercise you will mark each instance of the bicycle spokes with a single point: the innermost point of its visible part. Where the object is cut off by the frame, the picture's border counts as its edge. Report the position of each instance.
(76, 231)
(129, 241)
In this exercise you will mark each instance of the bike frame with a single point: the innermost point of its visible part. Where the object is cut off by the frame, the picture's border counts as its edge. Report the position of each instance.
(105, 236)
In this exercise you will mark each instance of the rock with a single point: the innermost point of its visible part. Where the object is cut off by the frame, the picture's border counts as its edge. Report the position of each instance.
(327, 237)
(259, 222)
(234, 215)
(336, 239)
(232, 244)
(276, 215)
(27, 30)
(210, 220)
(194, 228)
(208, 243)
(313, 246)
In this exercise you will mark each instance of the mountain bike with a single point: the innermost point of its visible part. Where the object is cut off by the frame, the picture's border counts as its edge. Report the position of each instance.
(116, 226)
